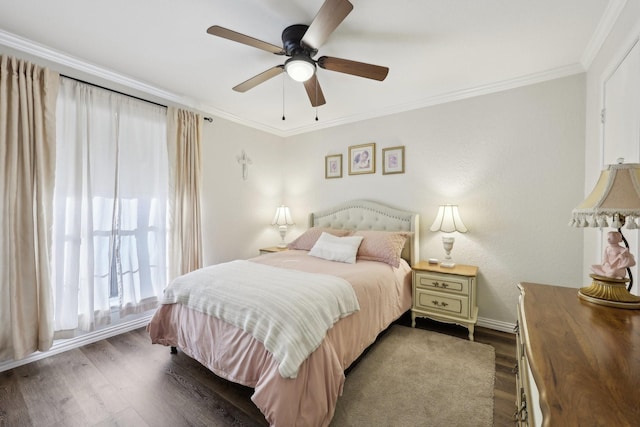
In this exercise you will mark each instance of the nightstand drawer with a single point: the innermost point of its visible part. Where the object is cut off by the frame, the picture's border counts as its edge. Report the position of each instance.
(439, 302)
(450, 283)
(445, 294)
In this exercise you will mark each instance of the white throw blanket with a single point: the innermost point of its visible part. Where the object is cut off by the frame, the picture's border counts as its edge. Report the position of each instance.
(288, 311)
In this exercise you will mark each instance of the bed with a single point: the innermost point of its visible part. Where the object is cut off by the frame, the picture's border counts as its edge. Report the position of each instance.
(292, 388)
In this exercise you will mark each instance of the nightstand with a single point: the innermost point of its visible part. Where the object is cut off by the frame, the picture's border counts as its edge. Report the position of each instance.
(271, 250)
(445, 294)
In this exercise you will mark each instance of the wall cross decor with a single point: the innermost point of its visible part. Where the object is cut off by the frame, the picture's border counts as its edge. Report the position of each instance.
(244, 161)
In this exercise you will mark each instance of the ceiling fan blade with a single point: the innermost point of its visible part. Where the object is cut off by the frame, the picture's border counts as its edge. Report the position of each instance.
(355, 68)
(314, 91)
(225, 33)
(330, 15)
(260, 78)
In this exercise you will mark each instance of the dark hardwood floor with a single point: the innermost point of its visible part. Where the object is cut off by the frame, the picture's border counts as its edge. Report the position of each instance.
(126, 381)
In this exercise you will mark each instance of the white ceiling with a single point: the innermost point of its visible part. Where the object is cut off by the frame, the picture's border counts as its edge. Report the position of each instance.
(436, 50)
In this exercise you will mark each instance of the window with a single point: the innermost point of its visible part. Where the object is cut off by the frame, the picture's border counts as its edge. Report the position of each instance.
(110, 204)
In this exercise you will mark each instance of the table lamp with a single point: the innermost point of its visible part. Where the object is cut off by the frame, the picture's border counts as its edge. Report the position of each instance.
(282, 219)
(615, 198)
(448, 220)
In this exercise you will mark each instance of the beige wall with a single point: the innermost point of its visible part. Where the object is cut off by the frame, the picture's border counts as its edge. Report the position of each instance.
(513, 162)
(235, 212)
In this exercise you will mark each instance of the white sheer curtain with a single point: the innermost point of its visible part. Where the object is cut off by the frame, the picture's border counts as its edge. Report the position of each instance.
(110, 203)
(27, 163)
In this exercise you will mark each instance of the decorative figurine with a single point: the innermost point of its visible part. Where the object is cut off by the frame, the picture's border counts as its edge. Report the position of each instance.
(616, 258)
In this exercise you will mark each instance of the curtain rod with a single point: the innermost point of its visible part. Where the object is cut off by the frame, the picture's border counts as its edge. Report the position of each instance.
(209, 119)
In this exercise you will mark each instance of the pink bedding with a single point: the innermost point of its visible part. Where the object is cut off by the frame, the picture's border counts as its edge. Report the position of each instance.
(383, 292)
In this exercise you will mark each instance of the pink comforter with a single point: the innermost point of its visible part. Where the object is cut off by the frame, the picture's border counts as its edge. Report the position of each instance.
(383, 292)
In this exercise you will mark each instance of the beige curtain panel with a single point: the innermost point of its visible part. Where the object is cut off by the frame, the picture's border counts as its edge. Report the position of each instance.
(27, 164)
(184, 135)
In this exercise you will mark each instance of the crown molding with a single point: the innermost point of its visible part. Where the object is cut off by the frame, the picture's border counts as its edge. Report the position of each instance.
(81, 68)
(443, 98)
(86, 68)
(606, 24)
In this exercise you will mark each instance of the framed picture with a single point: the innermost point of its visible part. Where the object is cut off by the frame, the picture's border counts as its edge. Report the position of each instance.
(362, 159)
(333, 166)
(392, 160)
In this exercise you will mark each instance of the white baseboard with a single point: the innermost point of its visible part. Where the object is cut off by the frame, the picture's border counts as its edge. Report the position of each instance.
(60, 346)
(496, 324)
(69, 344)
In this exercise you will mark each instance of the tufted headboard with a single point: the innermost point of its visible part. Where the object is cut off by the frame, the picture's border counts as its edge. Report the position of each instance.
(370, 215)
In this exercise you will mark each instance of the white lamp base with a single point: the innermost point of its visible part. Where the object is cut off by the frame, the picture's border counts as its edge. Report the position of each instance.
(283, 232)
(447, 242)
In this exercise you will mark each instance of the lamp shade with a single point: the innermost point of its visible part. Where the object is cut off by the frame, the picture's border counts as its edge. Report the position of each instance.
(616, 196)
(282, 216)
(448, 220)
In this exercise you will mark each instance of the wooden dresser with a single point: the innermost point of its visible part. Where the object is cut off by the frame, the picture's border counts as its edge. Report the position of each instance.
(583, 359)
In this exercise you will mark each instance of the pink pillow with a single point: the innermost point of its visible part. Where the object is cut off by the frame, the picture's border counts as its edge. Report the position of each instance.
(309, 238)
(382, 246)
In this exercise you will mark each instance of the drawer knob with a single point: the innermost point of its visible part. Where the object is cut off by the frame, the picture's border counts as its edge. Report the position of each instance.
(440, 285)
(439, 304)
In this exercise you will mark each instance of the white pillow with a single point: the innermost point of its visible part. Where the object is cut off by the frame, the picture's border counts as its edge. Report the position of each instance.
(333, 248)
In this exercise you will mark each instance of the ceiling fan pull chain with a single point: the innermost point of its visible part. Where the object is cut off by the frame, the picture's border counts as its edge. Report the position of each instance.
(283, 76)
(316, 99)
(300, 43)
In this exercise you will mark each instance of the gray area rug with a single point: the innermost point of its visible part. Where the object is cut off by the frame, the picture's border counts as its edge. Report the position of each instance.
(414, 377)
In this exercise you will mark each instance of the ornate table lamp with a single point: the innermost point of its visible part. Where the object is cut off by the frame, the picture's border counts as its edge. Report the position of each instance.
(448, 220)
(615, 198)
(282, 219)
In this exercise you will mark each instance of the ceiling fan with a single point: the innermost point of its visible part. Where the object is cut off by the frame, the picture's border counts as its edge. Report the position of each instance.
(301, 43)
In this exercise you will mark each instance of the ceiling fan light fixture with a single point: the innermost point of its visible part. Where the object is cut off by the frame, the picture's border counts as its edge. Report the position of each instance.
(300, 68)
